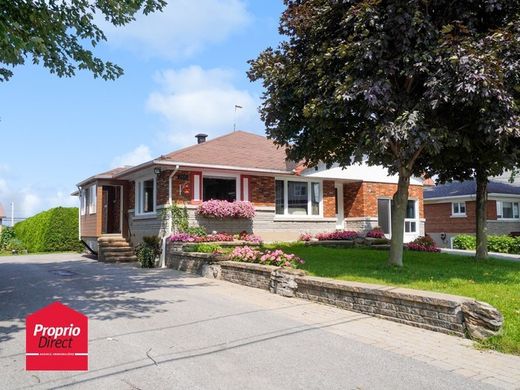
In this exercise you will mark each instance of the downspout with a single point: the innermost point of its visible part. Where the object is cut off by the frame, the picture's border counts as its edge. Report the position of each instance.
(79, 213)
(169, 226)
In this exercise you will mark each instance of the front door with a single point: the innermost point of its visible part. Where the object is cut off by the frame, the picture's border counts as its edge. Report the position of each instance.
(340, 213)
(112, 209)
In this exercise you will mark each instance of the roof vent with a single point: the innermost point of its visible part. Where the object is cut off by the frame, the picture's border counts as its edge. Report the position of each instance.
(201, 138)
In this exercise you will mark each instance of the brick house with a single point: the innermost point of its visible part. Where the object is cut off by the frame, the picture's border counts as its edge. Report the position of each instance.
(289, 199)
(450, 209)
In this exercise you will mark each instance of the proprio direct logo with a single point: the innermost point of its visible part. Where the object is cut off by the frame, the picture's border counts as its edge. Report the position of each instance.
(56, 339)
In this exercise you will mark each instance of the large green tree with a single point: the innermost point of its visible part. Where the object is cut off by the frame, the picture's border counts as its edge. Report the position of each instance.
(60, 33)
(364, 79)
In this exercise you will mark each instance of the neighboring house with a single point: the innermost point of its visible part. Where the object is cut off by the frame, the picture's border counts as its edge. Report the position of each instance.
(450, 209)
(289, 199)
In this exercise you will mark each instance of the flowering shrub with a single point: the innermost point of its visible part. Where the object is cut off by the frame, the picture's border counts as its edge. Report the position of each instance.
(421, 248)
(277, 257)
(245, 253)
(214, 237)
(224, 209)
(182, 237)
(423, 244)
(305, 237)
(376, 233)
(280, 259)
(187, 237)
(339, 235)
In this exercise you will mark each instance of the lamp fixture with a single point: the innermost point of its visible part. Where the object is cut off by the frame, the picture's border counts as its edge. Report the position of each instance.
(157, 171)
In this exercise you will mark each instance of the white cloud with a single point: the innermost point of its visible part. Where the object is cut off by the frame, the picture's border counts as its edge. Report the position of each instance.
(182, 29)
(196, 100)
(137, 156)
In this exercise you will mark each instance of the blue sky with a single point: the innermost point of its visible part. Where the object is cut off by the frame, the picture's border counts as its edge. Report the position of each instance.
(184, 72)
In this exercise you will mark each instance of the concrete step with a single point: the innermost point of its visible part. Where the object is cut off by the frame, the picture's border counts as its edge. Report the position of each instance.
(120, 259)
(119, 254)
(110, 240)
(117, 248)
(120, 244)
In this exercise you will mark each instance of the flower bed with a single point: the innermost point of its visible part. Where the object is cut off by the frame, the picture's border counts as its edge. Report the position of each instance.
(223, 209)
(215, 237)
(277, 257)
(339, 235)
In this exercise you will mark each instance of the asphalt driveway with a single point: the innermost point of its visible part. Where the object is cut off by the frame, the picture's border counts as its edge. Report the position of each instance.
(161, 329)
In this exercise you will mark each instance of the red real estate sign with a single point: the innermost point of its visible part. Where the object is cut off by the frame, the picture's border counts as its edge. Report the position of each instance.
(56, 339)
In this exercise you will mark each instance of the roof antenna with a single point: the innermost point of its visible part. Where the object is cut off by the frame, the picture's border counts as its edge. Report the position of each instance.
(235, 118)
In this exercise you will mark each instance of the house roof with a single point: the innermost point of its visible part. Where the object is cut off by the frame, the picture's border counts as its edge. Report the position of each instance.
(237, 149)
(2, 212)
(469, 187)
(105, 175)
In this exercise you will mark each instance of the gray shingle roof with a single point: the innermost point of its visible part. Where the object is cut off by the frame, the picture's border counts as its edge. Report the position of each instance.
(469, 187)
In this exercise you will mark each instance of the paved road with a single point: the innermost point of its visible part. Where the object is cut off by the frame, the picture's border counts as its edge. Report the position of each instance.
(161, 329)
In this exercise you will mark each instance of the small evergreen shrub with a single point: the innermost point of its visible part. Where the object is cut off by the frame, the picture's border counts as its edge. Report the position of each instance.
(145, 256)
(148, 251)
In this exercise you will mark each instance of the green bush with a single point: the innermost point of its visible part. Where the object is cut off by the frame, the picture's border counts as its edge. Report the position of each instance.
(146, 256)
(501, 244)
(196, 231)
(148, 251)
(54, 230)
(203, 248)
(6, 237)
(464, 241)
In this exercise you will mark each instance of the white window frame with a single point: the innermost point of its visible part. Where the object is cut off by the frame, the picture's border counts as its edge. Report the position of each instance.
(309, 198)
(220, 175)
(92, 199)
(83, 201)
(417, 219)
(139, 199)
(500, 209)
(409, 220)
(458, 213)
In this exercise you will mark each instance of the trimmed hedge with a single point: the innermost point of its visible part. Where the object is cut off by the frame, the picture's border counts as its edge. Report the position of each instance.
(500, 244)
(54, 230)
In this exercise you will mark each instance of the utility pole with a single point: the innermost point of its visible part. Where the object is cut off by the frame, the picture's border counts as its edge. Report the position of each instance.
(235, 117)
(12, 214)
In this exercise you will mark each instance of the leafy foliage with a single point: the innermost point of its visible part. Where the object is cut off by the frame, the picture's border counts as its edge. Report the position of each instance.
(393, 83)
(179, 217)
(53, 230)
(148, 251)
(203, 248)
(55, 33)
(6, 237)
(464, 241)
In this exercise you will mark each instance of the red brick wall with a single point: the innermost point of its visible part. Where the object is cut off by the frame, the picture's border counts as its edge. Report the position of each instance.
(353, 201)
(329, 199)
(261, 190)
(162, 187)
(360, 199)
(439, 219)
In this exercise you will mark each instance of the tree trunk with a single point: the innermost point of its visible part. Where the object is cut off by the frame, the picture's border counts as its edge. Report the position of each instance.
(399, 204)
(482, 182)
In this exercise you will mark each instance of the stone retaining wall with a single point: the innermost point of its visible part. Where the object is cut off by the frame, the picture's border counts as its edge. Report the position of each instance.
(444, 313)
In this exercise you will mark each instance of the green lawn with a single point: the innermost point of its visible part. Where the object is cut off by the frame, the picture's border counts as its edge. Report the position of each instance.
(493, 281)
